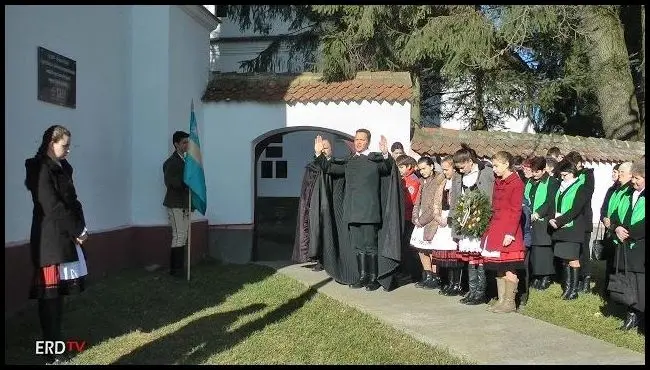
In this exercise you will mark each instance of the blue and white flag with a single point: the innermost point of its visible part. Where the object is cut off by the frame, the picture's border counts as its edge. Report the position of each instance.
(193, 174)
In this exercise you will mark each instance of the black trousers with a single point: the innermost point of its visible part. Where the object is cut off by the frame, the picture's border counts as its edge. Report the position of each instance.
(585, 265)
(364, 237)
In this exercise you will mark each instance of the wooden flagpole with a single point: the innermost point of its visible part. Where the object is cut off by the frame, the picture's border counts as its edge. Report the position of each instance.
(189, 227)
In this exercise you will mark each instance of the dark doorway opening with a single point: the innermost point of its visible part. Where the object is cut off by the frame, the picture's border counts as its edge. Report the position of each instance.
(275, 218)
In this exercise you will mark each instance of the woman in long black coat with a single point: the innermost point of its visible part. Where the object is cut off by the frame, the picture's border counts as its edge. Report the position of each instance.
(58, 227)
(540, 191)
(628, 223)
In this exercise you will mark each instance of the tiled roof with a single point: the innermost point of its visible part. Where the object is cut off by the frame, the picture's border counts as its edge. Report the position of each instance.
(308, 87)
(441, 141)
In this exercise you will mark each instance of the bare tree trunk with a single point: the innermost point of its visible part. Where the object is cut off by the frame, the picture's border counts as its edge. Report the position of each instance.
(608, 59)
(478, 122)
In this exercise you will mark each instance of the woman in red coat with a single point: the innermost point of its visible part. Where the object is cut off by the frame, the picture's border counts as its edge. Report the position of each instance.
(503, 242)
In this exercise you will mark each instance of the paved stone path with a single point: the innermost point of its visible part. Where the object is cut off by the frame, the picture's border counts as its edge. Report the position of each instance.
(470, 332)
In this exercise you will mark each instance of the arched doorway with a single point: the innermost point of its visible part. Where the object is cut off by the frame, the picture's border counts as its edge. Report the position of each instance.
(277, 178)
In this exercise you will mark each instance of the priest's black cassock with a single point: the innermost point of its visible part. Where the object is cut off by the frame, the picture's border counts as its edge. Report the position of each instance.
(329, 216)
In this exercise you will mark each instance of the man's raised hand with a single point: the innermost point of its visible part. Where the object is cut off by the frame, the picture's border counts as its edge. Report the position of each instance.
(318, 145)
(383, 145)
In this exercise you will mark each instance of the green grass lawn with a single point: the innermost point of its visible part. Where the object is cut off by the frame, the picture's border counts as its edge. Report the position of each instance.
(227, 314)
(589, 314)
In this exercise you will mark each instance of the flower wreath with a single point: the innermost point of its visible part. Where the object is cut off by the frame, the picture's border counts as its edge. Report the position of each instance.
(472, 214)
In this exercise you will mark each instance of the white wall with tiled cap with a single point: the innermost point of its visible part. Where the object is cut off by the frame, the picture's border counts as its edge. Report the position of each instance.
(126, 109)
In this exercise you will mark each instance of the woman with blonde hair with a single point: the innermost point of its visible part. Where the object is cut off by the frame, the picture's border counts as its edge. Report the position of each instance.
(503, 242)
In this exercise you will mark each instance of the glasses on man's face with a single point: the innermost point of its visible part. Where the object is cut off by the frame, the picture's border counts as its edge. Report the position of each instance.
(564, 174)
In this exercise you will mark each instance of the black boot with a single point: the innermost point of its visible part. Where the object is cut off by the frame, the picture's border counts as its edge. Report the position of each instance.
(566, 277)
(572, 292)
(177, 257)
(426, 275)
(631, 321)
(586, 284)
(456, 289)
(544, 282)
(535, 284)
(450, 281)
(50, 312)
(472, 282)
(434, 283)
(373, 284)
(480, 296)
(363, 272)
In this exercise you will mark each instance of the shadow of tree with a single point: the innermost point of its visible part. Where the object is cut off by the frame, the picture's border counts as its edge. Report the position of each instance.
(196, 342)
(132, 300)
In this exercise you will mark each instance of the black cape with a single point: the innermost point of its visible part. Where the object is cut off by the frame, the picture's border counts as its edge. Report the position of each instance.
(301, 242)
(329, 239)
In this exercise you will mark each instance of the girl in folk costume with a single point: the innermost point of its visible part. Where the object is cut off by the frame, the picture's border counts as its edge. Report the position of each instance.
(426, 218)
(445, 248)
(473, 174)
(58, 229)
(569, 224)
(503, 242)
(540, 192)
(628, 223)
(411, 184)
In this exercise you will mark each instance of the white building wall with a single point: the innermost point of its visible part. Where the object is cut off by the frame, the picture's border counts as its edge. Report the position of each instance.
(188, 75)
(100, 124)
(150, 88)
(126, 108)
(392, 120)
(228, 131)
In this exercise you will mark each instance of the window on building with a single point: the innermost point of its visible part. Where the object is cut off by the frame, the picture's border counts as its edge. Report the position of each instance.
(281, 169)
(267, 169)
(273, 152)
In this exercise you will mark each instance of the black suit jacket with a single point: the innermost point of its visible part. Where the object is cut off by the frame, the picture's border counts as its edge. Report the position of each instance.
(57, 216)
(177, 195)
(362, 202)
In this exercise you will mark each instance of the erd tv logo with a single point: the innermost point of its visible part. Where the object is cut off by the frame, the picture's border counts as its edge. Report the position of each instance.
(58, 347)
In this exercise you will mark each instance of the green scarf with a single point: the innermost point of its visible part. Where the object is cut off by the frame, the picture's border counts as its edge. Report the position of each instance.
(638, 212)
(540, 193)
(615, 199)
(568, 198)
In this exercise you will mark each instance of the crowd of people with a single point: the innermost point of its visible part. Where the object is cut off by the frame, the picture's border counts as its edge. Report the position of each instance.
(369, 226)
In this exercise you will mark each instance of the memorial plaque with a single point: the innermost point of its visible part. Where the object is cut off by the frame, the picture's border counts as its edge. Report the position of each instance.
(57, 79)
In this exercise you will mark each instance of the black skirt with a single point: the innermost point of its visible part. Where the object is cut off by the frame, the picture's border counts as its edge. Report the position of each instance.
(567, 250)
(541, 260)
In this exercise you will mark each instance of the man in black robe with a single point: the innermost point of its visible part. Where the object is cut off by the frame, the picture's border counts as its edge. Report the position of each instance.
(359, 231)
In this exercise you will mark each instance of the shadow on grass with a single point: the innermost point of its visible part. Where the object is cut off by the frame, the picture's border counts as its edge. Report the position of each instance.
(132, 300)
(203, 338)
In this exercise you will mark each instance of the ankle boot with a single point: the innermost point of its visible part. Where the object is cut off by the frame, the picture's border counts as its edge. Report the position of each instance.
(450, 281)
(363, 272)
(371, 264)
(479, 295)
(508, 304)
(426, 276)
(456, 289)
(544, 283)
(434, 283)
(177, 256)
(631, 321)
(566, 278)
(472, 282)
(572, 292)
(501, 292)
(535, 283)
